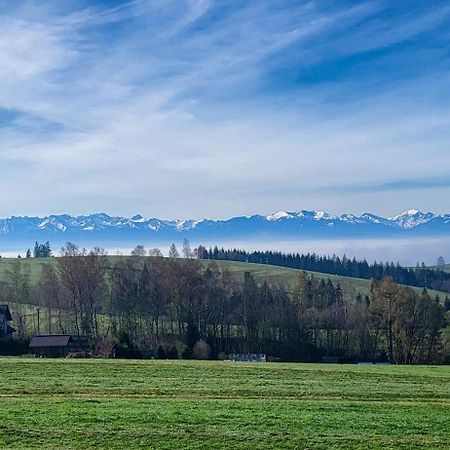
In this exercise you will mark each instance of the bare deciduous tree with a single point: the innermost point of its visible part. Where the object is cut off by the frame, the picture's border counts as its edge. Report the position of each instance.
(139, 250)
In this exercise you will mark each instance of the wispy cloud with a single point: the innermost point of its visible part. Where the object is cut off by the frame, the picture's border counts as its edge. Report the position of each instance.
(199, 107)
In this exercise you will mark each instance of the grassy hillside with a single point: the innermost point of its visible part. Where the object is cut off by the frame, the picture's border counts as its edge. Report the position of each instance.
(286, 276)
(280, 275)
(211, 405)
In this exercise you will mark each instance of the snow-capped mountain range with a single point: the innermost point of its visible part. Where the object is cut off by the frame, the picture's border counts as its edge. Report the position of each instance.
(102, 229)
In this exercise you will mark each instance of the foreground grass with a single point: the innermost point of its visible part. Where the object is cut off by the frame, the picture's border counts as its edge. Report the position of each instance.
(206, 405)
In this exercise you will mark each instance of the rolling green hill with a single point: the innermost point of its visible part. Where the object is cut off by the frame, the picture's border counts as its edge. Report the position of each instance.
(281, 275)
(285, 276)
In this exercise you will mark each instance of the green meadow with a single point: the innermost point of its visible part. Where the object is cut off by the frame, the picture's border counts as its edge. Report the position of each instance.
(118, 404)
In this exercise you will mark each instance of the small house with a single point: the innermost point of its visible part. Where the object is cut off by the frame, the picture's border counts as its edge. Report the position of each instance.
(58, 345)
(6, 330)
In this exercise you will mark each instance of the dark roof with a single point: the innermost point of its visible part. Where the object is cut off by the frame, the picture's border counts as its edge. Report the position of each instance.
(50, 340)
(59, 340)
(5, 310)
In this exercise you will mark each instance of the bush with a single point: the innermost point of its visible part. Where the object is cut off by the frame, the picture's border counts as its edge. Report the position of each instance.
(105, 348)
(126, 349)
(201, 350)
(172, 353)
(186, 353)
(161, 353)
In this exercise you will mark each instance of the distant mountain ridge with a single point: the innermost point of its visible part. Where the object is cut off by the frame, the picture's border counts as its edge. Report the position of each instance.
(100, 227)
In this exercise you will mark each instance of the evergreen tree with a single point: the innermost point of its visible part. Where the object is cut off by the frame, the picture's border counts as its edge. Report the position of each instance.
(47, 251)
(36, 250)
(42, 250)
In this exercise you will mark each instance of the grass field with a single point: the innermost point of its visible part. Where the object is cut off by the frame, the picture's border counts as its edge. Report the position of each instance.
(116, 404)
(281, 275)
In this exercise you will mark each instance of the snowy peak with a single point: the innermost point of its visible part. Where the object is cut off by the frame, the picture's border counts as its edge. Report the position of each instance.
(407, 219)
(411, 218)
(138, 218)
(302, 214)
(406, 214)
(319, 215)
(281, 215)
(101, 227)
(351, 218)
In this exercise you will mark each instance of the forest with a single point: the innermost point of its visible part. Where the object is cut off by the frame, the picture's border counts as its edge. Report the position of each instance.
(154, 306)
(419, 276)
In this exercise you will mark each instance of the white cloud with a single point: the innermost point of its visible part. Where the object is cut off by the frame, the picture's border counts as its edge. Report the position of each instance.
(161, 108)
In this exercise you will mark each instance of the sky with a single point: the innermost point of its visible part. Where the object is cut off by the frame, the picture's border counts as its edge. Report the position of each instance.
(208, 108)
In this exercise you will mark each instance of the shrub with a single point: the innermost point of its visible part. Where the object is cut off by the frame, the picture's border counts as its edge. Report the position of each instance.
(161, 353)
(201, 350)
(105, 347)
(125, 347)
(172, 353)
(186, 353)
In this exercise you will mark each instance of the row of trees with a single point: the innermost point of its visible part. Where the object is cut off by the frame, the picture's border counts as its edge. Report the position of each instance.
(420, 276)
(169, 306)
(40, 251)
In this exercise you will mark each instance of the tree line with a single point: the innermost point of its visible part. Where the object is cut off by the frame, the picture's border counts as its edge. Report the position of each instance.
(179, 307)
(419, 276)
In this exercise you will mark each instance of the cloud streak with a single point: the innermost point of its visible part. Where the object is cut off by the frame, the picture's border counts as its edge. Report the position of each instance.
(203, 108)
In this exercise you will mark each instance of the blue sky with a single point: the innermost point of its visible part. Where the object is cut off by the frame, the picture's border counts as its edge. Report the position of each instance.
(195, 108)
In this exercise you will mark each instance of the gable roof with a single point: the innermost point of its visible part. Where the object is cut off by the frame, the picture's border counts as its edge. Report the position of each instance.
(49, 340)
(4, 309)
(58, 340)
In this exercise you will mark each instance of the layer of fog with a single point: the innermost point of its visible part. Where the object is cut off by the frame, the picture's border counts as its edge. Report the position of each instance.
(405, 251)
